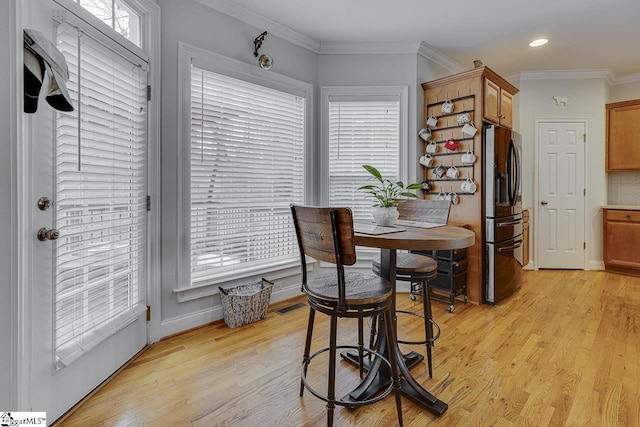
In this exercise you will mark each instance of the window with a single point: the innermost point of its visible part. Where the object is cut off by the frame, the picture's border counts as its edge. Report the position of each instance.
(101, 188)
(246, 165)
(117, 15)
(362, 126)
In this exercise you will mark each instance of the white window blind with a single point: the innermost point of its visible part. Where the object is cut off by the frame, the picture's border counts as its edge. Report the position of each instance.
(247, 167)
(101, 152)
(361, 132)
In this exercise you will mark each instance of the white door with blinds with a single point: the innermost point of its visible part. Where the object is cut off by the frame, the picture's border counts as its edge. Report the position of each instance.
(89, 284)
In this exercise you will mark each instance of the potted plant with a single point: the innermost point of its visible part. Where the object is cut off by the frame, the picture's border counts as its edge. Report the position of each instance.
(386, 194)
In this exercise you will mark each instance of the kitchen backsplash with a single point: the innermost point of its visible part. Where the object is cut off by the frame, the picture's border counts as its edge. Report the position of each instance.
(623, 188)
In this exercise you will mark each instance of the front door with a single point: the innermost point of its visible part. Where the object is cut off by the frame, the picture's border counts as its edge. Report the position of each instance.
(561, 194)
(88, 251)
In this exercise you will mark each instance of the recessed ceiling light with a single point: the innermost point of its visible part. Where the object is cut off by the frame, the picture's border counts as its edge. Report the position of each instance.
(538, 42)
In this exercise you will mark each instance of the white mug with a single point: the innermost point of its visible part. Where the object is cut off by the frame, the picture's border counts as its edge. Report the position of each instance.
(453, 172)
(432, 121)
(469, 129)
(447, 107)
(468, 186)
(425, 134)
(432, 147)
(463, 118)
(426, 160)
(468, 158)
(452, 197)
(442, 195)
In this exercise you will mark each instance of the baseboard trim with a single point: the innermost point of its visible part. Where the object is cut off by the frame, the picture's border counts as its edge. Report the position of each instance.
(596, 265)
(199, 318)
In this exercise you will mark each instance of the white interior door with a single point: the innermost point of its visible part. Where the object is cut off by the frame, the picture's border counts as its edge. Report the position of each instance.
(561, 194)
(88, 295)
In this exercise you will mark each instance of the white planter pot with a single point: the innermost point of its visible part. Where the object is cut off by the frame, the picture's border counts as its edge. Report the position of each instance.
(385, 217)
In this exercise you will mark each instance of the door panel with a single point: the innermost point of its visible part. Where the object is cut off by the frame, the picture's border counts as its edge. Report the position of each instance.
(66, 287)
(561, 188)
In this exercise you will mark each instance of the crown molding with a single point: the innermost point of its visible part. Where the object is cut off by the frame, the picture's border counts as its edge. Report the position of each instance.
(367, 48)
(432, 54)
(629, 78)
(256, 20)
(606, 74)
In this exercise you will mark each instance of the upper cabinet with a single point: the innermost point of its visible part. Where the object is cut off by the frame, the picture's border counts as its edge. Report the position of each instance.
(623, 136)
(498, 103)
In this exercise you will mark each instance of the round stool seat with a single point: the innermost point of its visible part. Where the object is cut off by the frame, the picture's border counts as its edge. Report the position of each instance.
(418, 267)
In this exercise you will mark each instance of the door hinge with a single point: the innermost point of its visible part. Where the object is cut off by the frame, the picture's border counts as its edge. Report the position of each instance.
(584, 135)
(148, 92)
(148, 313)
(584, 245)
(584, 191)
(148, 203)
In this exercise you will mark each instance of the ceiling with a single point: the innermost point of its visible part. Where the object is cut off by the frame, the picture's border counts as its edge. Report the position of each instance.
(583, 34)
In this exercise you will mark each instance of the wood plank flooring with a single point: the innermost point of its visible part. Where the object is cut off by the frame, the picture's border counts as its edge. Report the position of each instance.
(563, 351)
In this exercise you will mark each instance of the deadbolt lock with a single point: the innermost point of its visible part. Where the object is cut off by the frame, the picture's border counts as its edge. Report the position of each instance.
(44, 203)
(45, 234)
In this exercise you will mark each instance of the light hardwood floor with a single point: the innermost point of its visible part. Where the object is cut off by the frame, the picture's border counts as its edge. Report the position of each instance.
(564, 350)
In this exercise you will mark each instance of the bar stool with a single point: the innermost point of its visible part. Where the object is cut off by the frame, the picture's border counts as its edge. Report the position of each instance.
(327, 234)
(419, 269)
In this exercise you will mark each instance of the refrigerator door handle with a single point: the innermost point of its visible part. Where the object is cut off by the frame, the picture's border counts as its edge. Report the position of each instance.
(510, 248)
(510, 172)
(517, 173)
(509, 223)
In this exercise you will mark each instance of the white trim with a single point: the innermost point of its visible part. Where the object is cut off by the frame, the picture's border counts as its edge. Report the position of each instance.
(256, 20)
(629, 78)
(596, 265)
(366, 48)
(607, 75)
(361, 93)
(151, 44)
(187, 55)
(18, 220)
(203, 317)
(431, 53)
(536, 199)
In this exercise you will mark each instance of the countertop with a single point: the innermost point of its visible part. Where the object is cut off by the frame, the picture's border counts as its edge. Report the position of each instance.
(625, 207)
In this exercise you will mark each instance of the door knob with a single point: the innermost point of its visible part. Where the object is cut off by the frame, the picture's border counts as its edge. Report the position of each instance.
(45, 234)
(544, 202)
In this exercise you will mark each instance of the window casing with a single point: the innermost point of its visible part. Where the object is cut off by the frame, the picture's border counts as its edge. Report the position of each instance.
(244, 162)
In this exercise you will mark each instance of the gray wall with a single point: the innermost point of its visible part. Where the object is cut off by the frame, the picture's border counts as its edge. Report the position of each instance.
(587, 101)
(8, 260)
(192, 23)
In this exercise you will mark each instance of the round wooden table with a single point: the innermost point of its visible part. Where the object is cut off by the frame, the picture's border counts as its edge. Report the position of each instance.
(413, 238)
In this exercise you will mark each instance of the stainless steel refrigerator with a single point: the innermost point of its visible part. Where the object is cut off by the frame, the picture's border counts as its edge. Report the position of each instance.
(502, 210)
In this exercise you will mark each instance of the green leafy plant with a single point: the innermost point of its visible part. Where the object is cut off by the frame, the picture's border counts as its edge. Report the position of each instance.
(386, 192)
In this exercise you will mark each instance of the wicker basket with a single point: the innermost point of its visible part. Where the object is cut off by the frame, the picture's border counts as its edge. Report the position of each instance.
(245, 303)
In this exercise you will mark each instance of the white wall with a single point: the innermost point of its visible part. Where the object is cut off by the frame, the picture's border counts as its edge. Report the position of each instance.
(587, 101)
(625, 92)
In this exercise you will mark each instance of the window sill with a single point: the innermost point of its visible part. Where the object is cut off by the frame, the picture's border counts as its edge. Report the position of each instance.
(231, 279)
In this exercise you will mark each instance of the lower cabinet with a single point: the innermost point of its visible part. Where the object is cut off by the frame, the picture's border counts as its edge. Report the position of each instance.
(622, 241)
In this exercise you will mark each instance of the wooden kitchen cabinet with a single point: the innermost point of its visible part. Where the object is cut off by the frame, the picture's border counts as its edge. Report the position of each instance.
(482, 96)
(623, 136)
(498, 104)
(622, 240)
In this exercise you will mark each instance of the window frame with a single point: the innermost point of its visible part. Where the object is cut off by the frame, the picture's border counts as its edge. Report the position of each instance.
(362, 93)
(188, 55)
